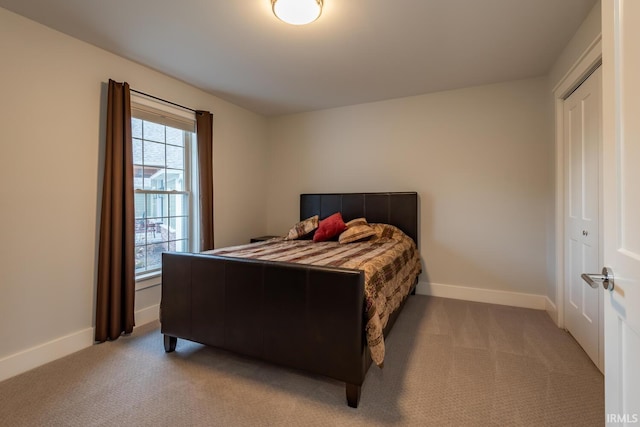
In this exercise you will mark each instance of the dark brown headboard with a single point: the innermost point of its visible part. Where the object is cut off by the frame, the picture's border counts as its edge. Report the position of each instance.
(399, 209)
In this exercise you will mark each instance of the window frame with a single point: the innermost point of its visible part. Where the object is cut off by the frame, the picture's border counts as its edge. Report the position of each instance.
(146, 109)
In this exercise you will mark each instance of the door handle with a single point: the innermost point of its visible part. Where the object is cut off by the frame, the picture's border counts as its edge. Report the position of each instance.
(606, 278)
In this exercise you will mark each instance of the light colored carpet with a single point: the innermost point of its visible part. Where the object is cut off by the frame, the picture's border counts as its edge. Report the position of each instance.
(448, 363)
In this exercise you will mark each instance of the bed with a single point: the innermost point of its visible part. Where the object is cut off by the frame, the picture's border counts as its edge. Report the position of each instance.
(307, 317)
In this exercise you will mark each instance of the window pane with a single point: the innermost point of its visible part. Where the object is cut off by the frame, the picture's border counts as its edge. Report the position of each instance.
(179, 246)
(154, 255)
(157, 206)
(152, 131)
(178, 228)
(140, 238)
(175, 157)
(178, 205)
(138, 202)
(175, 136)
(175, 180)
(154, 178)
(162, 228)
(154, 154)
(141, 258)
(154, 230)
(138, 177)
(137, 151)
(136, 127)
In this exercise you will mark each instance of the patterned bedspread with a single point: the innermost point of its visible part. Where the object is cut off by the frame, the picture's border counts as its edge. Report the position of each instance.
(390, 261)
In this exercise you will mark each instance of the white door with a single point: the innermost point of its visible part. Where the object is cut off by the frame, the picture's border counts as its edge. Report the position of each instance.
(582, 143)
(621, 197)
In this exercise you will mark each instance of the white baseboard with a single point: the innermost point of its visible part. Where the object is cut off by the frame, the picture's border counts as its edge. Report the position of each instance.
(147, 315)
(44, 353)
(39, 355)
(491, 296)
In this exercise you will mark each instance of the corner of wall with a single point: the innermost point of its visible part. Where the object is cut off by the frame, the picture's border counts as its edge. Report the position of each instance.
(552, 311)
(147, 315)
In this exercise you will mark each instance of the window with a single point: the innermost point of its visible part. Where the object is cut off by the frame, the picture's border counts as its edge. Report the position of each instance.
(163, 169)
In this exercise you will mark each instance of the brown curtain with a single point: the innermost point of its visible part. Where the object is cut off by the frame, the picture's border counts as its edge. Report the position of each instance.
(204, 130)
(116, 277)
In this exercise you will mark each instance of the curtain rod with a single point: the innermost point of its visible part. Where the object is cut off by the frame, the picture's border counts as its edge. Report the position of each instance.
(163, 100)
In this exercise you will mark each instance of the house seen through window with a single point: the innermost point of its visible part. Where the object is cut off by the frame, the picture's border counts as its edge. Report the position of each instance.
(163, 190)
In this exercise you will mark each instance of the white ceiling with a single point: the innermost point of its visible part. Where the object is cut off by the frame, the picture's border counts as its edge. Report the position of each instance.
(358, 50)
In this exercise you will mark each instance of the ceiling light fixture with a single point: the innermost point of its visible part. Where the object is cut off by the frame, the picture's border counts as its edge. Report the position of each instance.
(297, 12)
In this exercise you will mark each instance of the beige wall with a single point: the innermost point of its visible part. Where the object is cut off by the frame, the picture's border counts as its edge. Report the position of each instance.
(51, 131)
(480, 159)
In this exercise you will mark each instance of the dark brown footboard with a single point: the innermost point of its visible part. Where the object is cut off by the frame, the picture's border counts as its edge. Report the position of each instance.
(304, 317)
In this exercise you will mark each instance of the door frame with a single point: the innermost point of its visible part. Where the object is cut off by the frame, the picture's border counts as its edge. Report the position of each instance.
(590, 59)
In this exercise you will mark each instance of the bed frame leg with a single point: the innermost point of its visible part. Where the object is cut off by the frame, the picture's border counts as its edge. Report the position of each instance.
(353, 395)
(170, 343)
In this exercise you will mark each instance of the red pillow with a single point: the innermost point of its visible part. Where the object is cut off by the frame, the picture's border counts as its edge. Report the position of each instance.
(329, 227)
